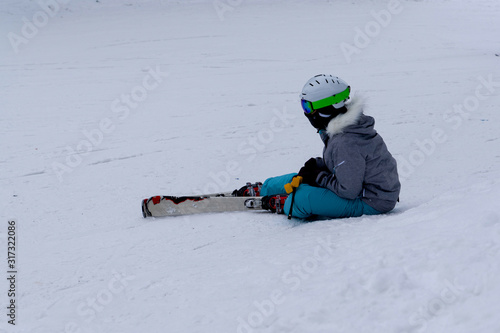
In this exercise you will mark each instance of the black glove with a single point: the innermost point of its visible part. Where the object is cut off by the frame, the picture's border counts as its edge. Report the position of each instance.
(309, 172)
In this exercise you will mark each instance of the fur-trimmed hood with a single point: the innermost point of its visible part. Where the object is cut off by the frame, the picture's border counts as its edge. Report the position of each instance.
(351, 117)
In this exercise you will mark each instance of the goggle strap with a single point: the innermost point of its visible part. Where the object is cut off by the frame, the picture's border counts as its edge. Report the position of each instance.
(332, 99)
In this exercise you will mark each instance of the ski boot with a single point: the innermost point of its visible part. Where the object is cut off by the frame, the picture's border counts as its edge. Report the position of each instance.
(274, 203)
(249, 190)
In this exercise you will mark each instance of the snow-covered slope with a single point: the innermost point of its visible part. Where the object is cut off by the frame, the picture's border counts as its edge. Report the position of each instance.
(105, 103)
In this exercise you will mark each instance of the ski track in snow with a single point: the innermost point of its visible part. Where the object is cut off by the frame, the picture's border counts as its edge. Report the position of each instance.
(223, 110)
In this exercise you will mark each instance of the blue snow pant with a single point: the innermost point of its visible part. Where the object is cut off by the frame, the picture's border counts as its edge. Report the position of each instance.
(315, 201)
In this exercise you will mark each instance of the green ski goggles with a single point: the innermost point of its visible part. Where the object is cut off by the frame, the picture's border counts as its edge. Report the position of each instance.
(311, 107)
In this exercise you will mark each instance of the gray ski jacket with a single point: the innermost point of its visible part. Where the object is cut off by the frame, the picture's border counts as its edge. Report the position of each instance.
(356, 160)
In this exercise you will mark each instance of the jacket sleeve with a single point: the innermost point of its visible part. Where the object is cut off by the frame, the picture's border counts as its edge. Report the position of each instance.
(346, 178)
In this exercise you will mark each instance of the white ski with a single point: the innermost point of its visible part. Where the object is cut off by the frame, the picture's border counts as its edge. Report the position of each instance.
(158, 206)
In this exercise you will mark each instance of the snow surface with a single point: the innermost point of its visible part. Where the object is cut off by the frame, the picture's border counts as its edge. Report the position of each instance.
(227, 112)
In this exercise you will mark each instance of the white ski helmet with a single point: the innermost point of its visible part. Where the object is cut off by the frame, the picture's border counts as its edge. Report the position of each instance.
(324, 90)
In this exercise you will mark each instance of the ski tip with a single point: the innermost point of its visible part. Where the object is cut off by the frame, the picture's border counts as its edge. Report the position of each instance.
(145, 210)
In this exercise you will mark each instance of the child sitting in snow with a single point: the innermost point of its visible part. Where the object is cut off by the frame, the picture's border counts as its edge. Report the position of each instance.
(357, 174)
